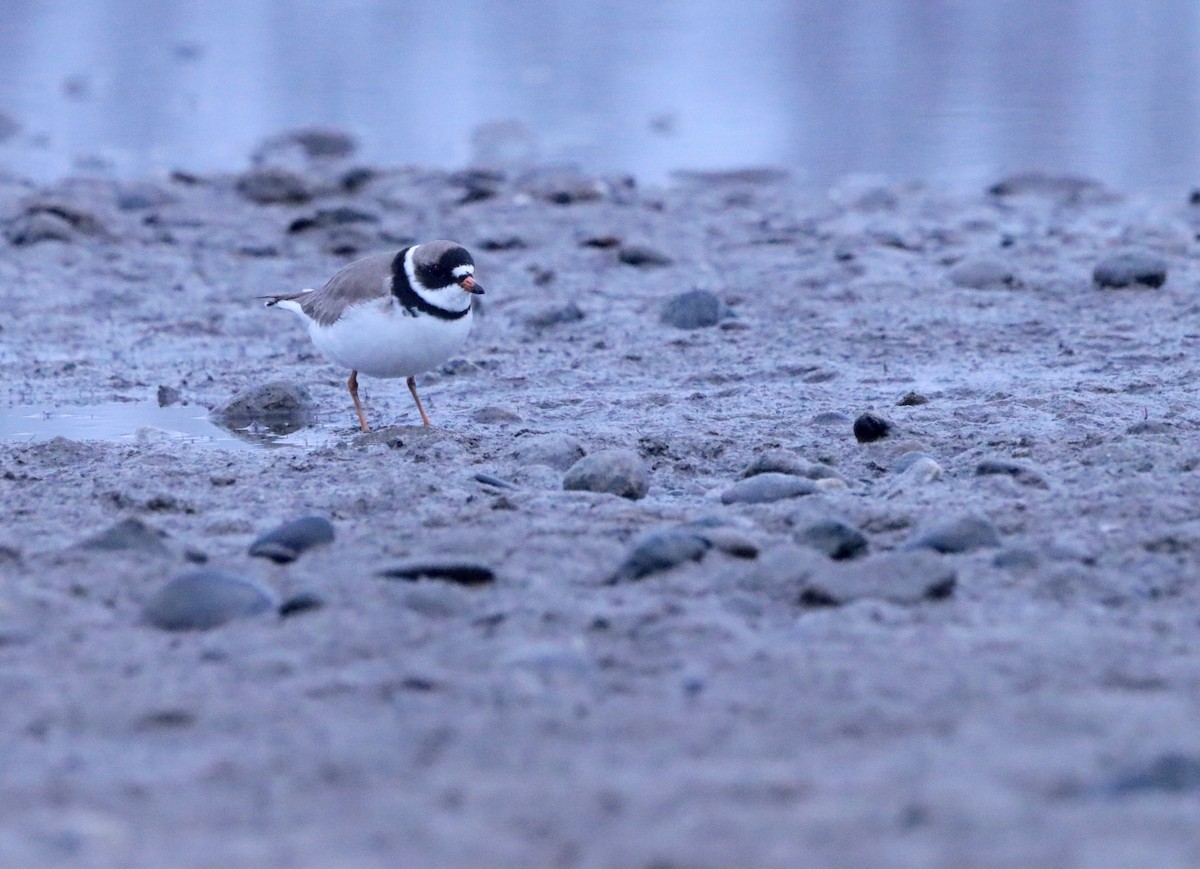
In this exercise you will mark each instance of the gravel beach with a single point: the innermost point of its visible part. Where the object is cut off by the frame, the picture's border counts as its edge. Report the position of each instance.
(756, 526)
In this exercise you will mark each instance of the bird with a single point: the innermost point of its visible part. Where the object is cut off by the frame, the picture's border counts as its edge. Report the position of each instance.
(391, 314)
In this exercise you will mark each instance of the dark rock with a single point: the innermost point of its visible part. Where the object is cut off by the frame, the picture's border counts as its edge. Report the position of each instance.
(601, 242)
(493, 415)
(1172, 773)
(642, 257)
(203, 599)
(554, 315)
(696, 309)
(870, 427)
(617, 472)
(912, 399)
(767, 487)
(459, 572)
(354, 180)
(1130, 269)
(963, 534)
(280, 406)
(899, 577)
(167, 396)
(1021, 473)
(982, 274)
(502, 243)
(328, 218)
(129, 535)
(559, 451)
(837, 539)
(494, 482)
(303, 602)
(658, 550)
(292, 539)
(271, 186)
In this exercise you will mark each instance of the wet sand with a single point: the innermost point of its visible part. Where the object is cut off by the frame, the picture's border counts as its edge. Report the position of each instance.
(738, 697)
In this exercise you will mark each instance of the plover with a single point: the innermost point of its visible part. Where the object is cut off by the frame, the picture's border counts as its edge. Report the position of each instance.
(391, 314)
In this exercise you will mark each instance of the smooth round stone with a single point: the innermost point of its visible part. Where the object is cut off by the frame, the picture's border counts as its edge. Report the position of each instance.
(280, 406)
(767, 487)
(1020, 472)
(203, 599)
(837, 539)
(128, 535)
(292, 539)
(559, 451)
(617, 472)
(871, 427)
(642, 256)
(658, 550)
(274, 186)
(1130, 269)
(982, 274)
(695, 309)
(781, 461)
(962, 534)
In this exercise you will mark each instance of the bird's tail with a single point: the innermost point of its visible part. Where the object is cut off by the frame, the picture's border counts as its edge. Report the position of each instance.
(272, 301)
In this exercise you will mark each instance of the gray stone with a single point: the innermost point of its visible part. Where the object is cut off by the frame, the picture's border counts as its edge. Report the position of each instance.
(301, 602)
(781, 461)
(1021, 473)
(899, 577)
(837, 539)
(726, 539)
(617, 472)
(280, 406)
(1130, 269)
(129, 535)
(292, 539)
(766, 487)
(982, 274)
(203, 599)
(912, 399)
(458, 571)
(660, 549)
(961, 534)
(559, 451)
(274, 186)
(870, 427)
(642, 256)
(695, 309)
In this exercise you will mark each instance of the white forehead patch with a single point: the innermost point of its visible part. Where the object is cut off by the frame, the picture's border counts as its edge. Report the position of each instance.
(461, 272)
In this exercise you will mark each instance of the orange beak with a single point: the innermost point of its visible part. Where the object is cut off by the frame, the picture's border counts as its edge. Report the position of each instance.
(469, 286)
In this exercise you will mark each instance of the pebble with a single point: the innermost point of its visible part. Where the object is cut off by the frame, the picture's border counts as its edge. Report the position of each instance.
(168, 395)
(450, 570)
(781, 461)
(837, 539)
(695, 309)
(921, 471)
(726, 539)
(289, 541)
(642, 256)
(660, 549)
(1130, 269)
(203, 599)
(912, 399)
(330, 218)
(302, 602)
(617, 472)
(559, 451)
(280, 406)
(766, 487)
(273, 186)
(899, 577)
(958, 535)
(1172, 773)
(554, 315)
(313, 142)
(1069, 187)
(1021, 473)
(982, 274)
(38, 227)
(564, 186)
(129, 535)
(871, 427)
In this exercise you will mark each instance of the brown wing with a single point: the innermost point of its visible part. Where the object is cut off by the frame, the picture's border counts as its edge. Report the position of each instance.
(361, 281)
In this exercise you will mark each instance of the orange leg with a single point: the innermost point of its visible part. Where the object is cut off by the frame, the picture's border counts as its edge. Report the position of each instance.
(352, 385)
(412, 387)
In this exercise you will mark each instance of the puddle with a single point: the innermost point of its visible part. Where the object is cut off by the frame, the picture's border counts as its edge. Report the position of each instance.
(122, 422)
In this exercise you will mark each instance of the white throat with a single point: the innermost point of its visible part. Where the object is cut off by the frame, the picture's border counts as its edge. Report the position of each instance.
(451, 298)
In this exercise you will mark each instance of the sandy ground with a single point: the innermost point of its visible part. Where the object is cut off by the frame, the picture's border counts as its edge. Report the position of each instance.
(1042, 710)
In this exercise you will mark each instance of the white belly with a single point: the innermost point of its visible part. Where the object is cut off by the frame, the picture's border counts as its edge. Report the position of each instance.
(380, 340)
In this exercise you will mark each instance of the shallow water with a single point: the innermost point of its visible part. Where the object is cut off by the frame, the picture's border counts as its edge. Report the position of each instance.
(123, 422)
(951, 92)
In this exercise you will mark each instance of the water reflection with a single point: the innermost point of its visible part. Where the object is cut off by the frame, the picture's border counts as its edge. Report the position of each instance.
(952, 91)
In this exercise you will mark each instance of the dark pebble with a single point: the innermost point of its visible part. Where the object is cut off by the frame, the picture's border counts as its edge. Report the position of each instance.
(1021, 473)
(696, 309)
(503, 243)
(963, 534)
(871, 427)
(554, 315)
(292, 539)
(203, 599)
(270, 186)
(1130, 269)
(1068, 187)
(559, 451)
(327, 218)
(837, 539)
(658, 550)
(167, 396)
(494, 482)
(129, 535)
(899, 577)
(642, 257)
(460, 572)
(912, 399)
(1171, 773)
(601, 242)
(303, 602)
(617, 472)
(280, 406)
(764, 488)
